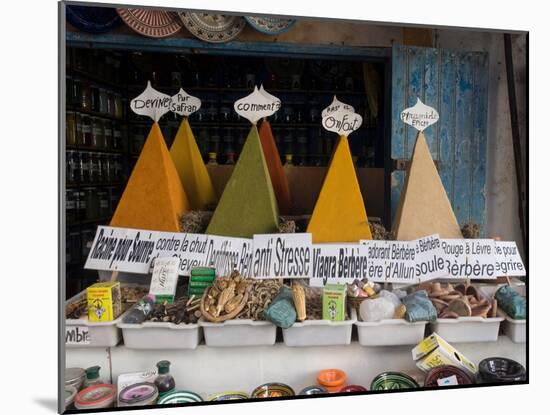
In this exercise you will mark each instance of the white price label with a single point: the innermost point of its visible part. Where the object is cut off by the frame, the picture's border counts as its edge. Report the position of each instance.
(77, 335)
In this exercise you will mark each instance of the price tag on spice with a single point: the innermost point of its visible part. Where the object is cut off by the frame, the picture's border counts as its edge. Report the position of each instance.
(420, 116)
(77, 335)
(340, 118)
(184, 104)
(508, 259)
(470, 258)
(151, 103)
(164, 279)
(259, 104)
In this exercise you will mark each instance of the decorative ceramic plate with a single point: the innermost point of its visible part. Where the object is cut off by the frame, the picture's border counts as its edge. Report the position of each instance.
(392, 380)
(179, 397)
(270, 25)
(214, 28)
(92, 19)
(151, 23)
(272, 390)
(228, 396)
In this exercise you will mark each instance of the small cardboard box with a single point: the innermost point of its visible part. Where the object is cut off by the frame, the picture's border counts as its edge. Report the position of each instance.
(104, 301)
(334, 302)
(433, 351)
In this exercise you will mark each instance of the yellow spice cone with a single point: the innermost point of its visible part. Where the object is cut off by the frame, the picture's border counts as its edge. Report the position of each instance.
(154, 197)
(339, 214)
(191, 169)
(424, 208)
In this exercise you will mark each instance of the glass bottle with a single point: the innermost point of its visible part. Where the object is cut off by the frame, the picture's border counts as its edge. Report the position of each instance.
(165, 381)
(212, 158)
(92, 376)
(141, 310)
(71, 129)
(288, 160)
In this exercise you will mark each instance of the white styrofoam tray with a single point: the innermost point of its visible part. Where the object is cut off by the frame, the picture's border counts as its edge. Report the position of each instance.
(467, 329)
(102, 334)
(234, 333)
(320, 332)
(516, 330)
(154, 335)
(390, 332)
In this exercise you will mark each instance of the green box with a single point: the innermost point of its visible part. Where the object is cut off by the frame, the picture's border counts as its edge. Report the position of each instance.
(334, 302)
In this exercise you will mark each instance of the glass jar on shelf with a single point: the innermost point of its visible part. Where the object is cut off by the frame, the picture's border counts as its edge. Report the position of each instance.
(70, 205)
(74, 93)
(118, 105)
(117, 136)
(94, 90)
(103, 200)
(103, 101)
(110, 103)
(70, 130)
(288, 160)
(84, 163)
(302, 146)
(80, 205)
(212, 112)
(78, 129)
(95, 168)
(105, 168)
(85, 96)
(86, 130)
(111, 165)
(212, 158)
(98, 137)
(92, 204)
(73, 172)
(214, 141)
(108, 134)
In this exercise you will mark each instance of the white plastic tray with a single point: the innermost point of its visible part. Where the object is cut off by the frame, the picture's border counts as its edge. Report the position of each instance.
(160, 335)
(320, 332)
(234, 333)
(102, 334)
(515, 329)
(390, 332)
(467, 329)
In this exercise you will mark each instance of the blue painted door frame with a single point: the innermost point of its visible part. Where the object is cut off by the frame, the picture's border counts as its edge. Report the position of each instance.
(456, 84)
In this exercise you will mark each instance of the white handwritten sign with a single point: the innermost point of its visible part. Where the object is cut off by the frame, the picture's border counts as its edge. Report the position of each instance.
(257, 105)
(508, 260)
(470, 258)
(340, 118)
(430, 258)
(165, 276)
(184, 104)
(77, 335)
(151, 103)
(420, 116)
(282, 255)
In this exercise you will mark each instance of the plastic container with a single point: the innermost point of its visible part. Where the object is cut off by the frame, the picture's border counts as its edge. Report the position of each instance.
(160, 335)
(234, 333)
(320, 332)
(390, 332)
(101, 334)
(467, 329)
(516, 330)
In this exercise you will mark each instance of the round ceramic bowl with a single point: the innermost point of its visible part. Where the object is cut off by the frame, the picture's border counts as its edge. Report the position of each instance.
(74, 376)
(96, 397)
(435, 377)
(392, 380)
(500, 369)
(313, 390)
(272, 390)
(332, 379)
(228, 396)
(353, 388)
(178, 397)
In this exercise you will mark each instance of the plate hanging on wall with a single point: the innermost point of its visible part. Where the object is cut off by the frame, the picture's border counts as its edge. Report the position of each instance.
(92, 19)
(151, 23)
(214, 28)
(270, 25)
